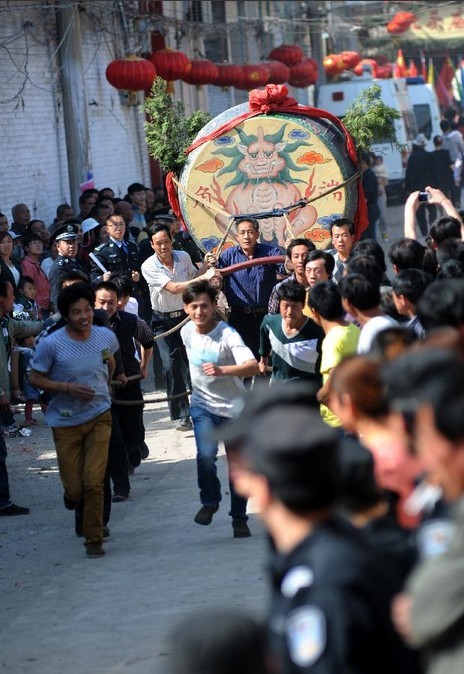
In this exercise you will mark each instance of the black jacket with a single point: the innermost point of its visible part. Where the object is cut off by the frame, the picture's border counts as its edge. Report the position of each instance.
(115, 260)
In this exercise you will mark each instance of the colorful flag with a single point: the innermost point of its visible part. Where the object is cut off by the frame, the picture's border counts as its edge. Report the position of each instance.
(412, 70)
(458, 82)
(443, 84)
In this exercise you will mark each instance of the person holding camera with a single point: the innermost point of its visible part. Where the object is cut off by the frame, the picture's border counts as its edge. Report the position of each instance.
(419, 173)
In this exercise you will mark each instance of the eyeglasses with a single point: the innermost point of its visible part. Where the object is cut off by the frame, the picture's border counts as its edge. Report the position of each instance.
(116, 226)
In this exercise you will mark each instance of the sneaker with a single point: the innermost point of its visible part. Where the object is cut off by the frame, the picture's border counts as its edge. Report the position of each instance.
(205, 514)
(119, 498)
(241, 529)
(185, 424)
(13, 509)
(145, 451)
(94, 550)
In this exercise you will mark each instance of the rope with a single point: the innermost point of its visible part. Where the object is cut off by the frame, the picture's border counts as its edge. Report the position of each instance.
(275, 213)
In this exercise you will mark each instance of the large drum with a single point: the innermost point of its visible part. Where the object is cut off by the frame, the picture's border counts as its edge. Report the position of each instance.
(265, 163)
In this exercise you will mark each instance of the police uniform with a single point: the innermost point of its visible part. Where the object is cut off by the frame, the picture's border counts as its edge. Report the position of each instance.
(119, 260)
(63, 265)
(330, 608)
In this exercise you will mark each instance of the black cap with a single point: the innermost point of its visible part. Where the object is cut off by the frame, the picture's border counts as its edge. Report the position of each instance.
(64, 232)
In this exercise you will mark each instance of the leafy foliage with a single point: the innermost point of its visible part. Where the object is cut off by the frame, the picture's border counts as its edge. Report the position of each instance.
(169, 132)
(370, 121)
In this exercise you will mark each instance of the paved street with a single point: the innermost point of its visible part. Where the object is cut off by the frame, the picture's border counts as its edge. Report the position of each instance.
(63, 613)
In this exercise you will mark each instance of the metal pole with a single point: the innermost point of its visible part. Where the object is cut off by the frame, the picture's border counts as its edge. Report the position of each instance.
(74, 100)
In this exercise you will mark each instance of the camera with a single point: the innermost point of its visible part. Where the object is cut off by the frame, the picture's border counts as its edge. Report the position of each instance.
(424, 196)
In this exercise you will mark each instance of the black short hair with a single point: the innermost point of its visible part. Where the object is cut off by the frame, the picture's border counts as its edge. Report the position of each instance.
(197, 288)
(4, 287)
(411, 283)
(300, 242)
(318, 254)
(135, 187)
(156, 229)
(444, 228)
(252, 221)
(442, 304)
(359, 291)
(123, 284)
(72, 294)
(358, 487)
(324, 297)
(370, 247)
(75, 275)
(366, 266)
(451, 269)
(109, 286)
(343, 222)
(292, 291)
(407, 254)
(450, 249)
(23, 280)
(30, 237)
(395, 335)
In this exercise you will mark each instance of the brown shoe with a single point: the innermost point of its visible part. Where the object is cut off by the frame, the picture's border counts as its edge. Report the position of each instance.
(94, 550)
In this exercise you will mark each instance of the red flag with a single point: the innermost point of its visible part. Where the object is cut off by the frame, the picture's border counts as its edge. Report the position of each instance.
(443, 83)
(412, 70)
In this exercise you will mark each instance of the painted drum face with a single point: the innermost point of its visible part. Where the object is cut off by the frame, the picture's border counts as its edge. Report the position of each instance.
(265, 163)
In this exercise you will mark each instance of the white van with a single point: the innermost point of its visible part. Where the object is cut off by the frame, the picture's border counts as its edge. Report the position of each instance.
(337, 98)
(426, 109)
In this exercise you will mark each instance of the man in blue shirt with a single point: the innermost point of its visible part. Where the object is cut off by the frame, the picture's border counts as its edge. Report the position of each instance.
(248, 290)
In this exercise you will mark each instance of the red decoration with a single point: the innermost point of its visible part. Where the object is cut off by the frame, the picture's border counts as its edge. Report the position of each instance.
(290, 54)
(171, 65)
(252, 77)
(404, 19)
(333, 64)
(396, 29)
(132, 73)
(228, 75)
(279, 73)
(372, 65)
(384, 72)
(350, 59)
(304, 74)
(202, 72)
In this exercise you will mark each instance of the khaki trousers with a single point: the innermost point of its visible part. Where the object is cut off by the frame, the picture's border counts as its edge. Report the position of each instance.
(82, 453)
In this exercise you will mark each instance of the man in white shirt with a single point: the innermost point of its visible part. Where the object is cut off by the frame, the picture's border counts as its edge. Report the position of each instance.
(168, 273)
(219, 361)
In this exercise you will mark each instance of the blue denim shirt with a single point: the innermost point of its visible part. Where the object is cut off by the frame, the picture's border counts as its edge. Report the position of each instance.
(250, 287)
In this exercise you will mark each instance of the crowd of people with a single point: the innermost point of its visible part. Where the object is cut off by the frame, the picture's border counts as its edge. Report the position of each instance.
(351, 442)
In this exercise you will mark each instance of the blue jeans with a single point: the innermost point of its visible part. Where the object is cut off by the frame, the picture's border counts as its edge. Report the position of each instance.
(4, 486)
(204, 424)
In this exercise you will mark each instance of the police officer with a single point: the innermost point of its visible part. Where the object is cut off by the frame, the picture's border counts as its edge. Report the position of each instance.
(65, 234)
(117, 255)
(330, 597)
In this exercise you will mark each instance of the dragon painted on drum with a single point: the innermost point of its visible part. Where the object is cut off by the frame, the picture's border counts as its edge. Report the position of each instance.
(260, 165)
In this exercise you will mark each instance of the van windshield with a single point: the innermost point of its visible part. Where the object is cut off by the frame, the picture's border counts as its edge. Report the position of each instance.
(423, 119)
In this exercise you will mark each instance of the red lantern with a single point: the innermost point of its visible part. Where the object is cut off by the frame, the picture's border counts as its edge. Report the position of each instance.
(171, 65)
(202, 72)
(228, 75)
(350, 59)
(253, 77)
(333, 64)
(278, 72)
(304, 74)
(396, 29)
(290, 54)
(384, 72)
(371, 65)
(404, 19)
(132, 73)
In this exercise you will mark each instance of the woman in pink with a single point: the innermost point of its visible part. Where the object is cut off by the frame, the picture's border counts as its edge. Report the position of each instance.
(33, 249)
(357, 397)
